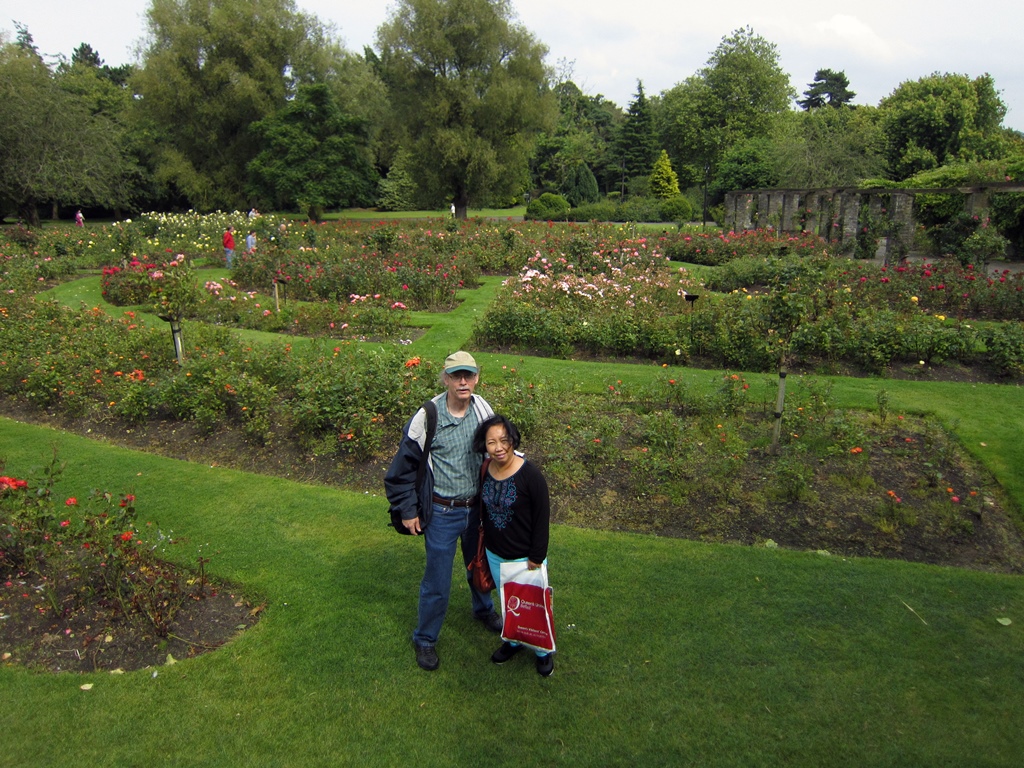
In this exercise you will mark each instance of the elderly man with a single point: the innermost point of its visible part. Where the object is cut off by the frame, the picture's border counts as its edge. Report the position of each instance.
(444, 508)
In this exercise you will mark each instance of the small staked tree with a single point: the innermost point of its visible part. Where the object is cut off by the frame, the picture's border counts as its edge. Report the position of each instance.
(174, 295)
(664, 182)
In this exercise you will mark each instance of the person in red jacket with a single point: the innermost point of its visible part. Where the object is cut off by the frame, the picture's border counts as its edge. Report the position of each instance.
(229, 245)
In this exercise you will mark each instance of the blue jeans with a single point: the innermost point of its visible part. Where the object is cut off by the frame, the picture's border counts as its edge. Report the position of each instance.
(447, 526)
(495, 563)
(229, 255)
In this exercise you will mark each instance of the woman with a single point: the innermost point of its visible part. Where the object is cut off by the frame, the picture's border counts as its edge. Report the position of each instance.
(516, 513)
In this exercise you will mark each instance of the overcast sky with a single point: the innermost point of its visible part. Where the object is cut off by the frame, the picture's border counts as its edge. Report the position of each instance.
(610, 45)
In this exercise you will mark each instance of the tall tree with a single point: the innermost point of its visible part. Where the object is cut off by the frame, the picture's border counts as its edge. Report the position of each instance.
(104, 91)
(829, 88)
(636, 144)
(313, 156)
(583, 137)
(85, 54)
(210, 68)
(940, 118)
(397, 191)
(745, 165)
(24, 40)
(828, 148)
(53, 147)
(737, 96)
(470, 92)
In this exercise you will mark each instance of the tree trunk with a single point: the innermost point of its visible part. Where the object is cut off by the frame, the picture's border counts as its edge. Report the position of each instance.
(29, 214)
(461, 204)
(179, 352)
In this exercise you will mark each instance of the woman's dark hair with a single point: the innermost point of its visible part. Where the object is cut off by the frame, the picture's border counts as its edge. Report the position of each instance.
(480, 437)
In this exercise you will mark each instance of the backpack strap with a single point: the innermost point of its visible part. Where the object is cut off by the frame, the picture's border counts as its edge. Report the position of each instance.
(431, 410)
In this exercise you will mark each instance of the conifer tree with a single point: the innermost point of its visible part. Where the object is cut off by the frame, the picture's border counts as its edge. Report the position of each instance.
(637, 145)
(664, 182)
(397, 191)
(580, 186)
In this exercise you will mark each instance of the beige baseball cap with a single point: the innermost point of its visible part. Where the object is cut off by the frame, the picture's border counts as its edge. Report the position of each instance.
(460, 361)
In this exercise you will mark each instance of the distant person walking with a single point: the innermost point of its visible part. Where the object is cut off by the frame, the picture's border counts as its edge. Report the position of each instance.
(250, 241)
(79, 218)
(229, 245)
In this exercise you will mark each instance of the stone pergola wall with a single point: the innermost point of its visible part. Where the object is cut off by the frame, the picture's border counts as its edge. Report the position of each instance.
(838, 215)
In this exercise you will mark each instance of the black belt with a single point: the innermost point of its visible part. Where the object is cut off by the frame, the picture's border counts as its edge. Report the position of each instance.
(453, 502)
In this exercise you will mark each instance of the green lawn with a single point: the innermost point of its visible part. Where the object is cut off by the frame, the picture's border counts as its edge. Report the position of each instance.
(671, 652)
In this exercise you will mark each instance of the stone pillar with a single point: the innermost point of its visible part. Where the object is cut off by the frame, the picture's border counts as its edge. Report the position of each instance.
(791, 212)
(828, 216)
(820, 220)
(730, 210)
(876, 220)
(813, 203)
(744, 210)
(850, 217)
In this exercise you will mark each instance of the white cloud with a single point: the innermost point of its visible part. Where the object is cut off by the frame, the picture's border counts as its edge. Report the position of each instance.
(850, 34)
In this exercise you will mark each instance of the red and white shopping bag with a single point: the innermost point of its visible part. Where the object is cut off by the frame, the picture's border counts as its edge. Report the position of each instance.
(526, 606)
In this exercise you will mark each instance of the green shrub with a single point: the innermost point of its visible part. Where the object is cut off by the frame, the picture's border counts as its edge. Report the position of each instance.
(523, 326)
(639, 209)
(547, 207)
(928, 339)
(983, 246)
(677, 209)
(878, 340)
(1004, 345)
(605, 210)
